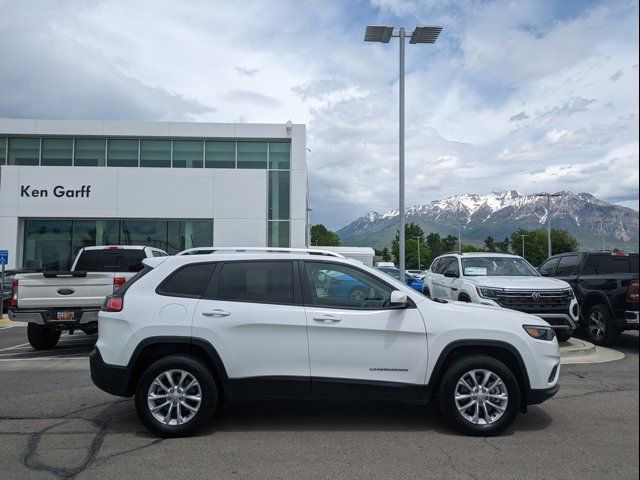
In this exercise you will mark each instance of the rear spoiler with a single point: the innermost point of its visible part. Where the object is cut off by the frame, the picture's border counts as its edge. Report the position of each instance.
(63, 274)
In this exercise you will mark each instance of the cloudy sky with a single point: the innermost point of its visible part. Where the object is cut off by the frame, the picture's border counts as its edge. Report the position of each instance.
(539, 95)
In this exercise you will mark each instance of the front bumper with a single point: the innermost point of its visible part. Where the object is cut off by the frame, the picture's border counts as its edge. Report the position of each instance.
(537, 396)
(110, 378)
(48, 317)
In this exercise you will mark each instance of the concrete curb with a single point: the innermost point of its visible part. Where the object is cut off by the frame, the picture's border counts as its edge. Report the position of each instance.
(577, 351)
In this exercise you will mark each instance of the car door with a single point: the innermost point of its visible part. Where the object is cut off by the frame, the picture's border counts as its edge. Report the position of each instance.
(437, 279)
(252, 314)
(449, 285)
(361, 346)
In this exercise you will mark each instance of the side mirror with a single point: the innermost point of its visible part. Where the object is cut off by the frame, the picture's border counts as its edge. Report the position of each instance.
(398, 299)
(450, 274)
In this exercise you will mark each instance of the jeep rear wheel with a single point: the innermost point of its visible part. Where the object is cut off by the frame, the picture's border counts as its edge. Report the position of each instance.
(41, 337)
(175, 396)
(480, 395)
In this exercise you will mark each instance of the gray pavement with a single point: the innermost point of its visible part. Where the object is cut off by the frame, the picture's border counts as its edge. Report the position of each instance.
(55, 424)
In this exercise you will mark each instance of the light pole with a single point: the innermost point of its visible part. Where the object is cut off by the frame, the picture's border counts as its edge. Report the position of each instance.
(383, 34)
(548, 195)
(523, 237)
(459, 237)
(602, 231)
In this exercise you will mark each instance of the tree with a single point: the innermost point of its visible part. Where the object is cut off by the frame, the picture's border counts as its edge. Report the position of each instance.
(322, 236)
(503, 246)
(415, 257)
(490, 244)
(471, 248)
(535, 243)
(386, 255)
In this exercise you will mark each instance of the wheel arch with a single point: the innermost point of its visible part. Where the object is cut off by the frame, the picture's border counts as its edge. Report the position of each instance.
(503, 351)
(591, 300)
(154, 348)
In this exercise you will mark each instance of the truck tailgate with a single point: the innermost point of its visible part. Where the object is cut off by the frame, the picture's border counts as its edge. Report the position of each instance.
(42, 290)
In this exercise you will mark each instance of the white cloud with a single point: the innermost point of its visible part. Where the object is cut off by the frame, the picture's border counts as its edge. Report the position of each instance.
(513, 94)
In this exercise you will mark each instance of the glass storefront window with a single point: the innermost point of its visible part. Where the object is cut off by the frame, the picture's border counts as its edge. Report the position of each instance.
(187, 154)
(152, 233)
(279, 195)
(279, 154)
(122, 153)
(189, 234)
(47, 244)
(220, 155)
(89, 152)
(57, 152)
(252, 155)
(155, 153)
(24, 151)
(3, 150)
(278, 234)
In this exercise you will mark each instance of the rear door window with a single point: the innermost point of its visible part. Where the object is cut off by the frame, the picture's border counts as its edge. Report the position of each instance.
(117, 260)
(256, 281)
(598, 264)
(188, 281)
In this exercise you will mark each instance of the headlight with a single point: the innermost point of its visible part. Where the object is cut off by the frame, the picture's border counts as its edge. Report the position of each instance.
(569, 292)
(486, 292)
(540, 333)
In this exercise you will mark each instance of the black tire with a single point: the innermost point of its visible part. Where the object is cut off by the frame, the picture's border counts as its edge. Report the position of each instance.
(463, 297)
(41, 337)
(563, 336)
(447, 390)
(599, 317)
(208, 391)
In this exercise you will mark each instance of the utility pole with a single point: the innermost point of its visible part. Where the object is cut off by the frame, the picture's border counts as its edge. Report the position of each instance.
(523, 237)
(602, 231)
(548, 195)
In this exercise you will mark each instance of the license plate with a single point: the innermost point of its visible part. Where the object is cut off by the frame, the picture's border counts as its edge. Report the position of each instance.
(65, 315)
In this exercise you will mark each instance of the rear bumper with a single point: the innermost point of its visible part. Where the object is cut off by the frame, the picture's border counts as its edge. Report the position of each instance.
(537, 396)
(631, 320)
(48, 317)
(110, 378)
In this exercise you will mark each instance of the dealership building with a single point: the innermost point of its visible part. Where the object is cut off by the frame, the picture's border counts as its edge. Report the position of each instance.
(70, 184)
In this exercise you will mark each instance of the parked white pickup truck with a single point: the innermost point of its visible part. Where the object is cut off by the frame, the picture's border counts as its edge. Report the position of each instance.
(53, 301)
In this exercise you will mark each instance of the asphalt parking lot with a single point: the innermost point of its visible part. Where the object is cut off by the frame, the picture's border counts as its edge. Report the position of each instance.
(55, 424)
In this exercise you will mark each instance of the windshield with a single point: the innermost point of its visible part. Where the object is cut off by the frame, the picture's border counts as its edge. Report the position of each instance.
(395, 273)
(497, 267)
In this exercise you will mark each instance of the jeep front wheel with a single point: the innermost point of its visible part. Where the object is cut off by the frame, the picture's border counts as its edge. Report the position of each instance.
(480, 395)
(175, 396)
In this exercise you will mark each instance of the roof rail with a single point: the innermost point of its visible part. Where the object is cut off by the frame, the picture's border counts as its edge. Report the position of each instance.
(214, 250)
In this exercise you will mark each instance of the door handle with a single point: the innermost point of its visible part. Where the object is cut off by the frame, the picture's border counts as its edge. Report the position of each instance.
(215, 313)
(326, 319)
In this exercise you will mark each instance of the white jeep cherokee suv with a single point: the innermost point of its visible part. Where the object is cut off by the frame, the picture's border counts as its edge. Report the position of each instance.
(503, 280)
(189, 331)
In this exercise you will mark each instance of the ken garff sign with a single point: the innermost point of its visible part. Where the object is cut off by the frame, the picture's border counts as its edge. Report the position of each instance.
(4, 257)
(59, 191)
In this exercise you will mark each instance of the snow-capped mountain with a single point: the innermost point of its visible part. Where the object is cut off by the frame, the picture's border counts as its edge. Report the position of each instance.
(499, 214)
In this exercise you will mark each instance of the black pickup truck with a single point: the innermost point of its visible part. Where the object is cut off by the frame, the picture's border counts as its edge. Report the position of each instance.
(607, 287)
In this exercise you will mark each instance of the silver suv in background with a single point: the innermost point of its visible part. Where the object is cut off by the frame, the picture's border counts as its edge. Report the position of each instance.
(503, 280)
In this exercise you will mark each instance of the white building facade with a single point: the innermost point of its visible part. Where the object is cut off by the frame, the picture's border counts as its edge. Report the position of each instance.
(69, 184)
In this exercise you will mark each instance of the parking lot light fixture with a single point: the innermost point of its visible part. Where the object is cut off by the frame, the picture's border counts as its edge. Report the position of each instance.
(383, 34)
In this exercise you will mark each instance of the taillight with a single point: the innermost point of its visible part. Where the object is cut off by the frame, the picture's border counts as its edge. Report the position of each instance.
(113, 303)
(633, 291)
(118, 282)
(14, 294)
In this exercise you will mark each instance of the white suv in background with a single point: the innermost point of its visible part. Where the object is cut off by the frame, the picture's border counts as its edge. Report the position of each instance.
(503, 280)
(189, 331)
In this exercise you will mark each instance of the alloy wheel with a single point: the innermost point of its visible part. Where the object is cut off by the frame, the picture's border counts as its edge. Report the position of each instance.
(597, 325)
(174, 397)
(481, 397)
